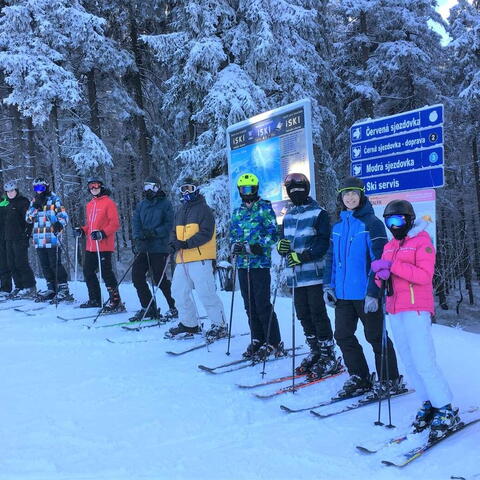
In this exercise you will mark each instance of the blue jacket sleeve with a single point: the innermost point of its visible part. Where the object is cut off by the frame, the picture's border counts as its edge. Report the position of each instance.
(136, 224)
(329, 272)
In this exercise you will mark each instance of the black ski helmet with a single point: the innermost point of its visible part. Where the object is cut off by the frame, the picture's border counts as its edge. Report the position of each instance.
(352, 183)
(153, 179)
(399, 207)
(41, 181)
(298, 187)
(99, 180)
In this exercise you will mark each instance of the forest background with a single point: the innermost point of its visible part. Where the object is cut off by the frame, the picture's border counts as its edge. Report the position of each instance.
(125, 89)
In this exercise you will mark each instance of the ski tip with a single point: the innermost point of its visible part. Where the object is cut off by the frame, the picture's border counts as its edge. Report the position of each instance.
(389, 464)
(206, 369)
(286, 409)
(316, 414)
(364, 449)
(110, 341)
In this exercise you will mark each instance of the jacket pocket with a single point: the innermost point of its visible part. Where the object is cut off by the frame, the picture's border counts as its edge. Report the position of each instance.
(412, 294)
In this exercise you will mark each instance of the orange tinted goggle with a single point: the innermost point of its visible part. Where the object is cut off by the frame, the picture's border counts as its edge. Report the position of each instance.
(94, 185)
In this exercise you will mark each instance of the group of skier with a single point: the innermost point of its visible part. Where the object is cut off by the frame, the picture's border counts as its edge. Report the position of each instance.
(348, 267)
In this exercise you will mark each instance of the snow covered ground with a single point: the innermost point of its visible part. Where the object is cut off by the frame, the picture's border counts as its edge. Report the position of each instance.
(74, 406)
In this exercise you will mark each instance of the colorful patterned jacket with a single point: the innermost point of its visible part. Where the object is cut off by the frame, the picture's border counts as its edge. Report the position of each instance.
(43, 219)
(254, 225)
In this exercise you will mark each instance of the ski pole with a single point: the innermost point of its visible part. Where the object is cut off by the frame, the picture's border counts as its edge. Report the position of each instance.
(100, 271)
(293, 329)
(118, 284)
(272, 311)
(231, 304)
(152, 280)
(76, 262)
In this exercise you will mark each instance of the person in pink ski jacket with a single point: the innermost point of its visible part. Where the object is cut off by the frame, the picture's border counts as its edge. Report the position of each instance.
(406, 269)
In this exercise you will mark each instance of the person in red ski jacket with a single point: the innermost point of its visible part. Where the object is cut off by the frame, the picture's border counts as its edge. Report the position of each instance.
(102, 223)
(407, 264)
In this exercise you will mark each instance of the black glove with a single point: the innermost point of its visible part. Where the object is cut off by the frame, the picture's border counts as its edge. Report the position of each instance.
(98, 235)
(176, 245)
(284, 247)
(57, 227)
(148, 234)
(77, 232)
(239, 248)
(256, 249)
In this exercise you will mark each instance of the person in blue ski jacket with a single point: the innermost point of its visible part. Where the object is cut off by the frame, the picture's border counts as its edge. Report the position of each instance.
(357, 240)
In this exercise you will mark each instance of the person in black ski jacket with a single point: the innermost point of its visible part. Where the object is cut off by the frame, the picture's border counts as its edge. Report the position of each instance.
(17, 234)
(5, 276)
(152, 224)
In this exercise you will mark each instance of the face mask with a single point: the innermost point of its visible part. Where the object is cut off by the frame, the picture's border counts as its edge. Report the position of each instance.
(298, 195)
(150, 194)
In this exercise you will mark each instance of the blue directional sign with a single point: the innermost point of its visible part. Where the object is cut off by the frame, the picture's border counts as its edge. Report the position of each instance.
(414, 180)
(401, 123)
(397, 144)
(404, 162)
(401, 152)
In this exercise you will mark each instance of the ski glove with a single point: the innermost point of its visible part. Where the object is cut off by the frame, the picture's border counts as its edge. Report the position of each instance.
(329, 296)
(239, 248)
(148, 234)
(255, 249)
(371, 304)
(57, 227)
(383, 274)
(98, 235)
(77, 232)
(293, 259)
(283, 246)
(178, 245)
(381, 264)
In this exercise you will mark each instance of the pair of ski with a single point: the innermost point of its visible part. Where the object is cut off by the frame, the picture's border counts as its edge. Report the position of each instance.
(405, 458)
(290, 388)
(201, 345)
(362, 402)
(243, 363)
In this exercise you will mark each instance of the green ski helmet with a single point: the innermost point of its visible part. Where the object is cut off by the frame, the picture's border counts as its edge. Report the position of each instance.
(247, 186)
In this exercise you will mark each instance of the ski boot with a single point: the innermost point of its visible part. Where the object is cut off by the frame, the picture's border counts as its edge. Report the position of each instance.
(311, 359)
(355, 386)
(252, 349)
(114, 305)
(182, 331)
(266, 350)
(63, 295)
(45, 295)
(424, 417)
(142, 315)
(328, 363)
(445, 419)
(215, 332)
(91, 303)
(171, 313)
(384, 388)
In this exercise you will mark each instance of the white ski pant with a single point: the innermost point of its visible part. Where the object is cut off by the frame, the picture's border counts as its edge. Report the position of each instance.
(413, 341)
(198, 275)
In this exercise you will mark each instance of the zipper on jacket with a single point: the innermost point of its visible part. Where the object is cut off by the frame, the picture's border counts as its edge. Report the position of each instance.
(412, 294)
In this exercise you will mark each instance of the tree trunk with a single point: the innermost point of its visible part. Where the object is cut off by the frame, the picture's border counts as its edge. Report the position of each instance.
(367, 104)
(143, 138)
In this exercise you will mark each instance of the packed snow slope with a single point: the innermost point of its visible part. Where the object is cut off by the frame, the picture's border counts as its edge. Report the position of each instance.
(75, 406)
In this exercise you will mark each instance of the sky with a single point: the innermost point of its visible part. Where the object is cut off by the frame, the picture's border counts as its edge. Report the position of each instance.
(444, 7)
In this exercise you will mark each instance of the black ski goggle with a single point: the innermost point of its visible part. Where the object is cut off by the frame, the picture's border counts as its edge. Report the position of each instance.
(395, 221)
(247, 189)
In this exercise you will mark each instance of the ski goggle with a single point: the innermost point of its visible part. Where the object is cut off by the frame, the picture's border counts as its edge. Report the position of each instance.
(188, 188)
(395, 221)
(39, 187)
(350, 189)
(150, 186)
(292, 178)
(94, 185)
(247, 190)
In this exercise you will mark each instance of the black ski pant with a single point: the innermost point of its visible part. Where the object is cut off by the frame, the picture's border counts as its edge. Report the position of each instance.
(17, 257)
(90, 268)
(148, 264)
(5, 276)
(312, 313)
(255, 288)
(54, 275)
(347, 313)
